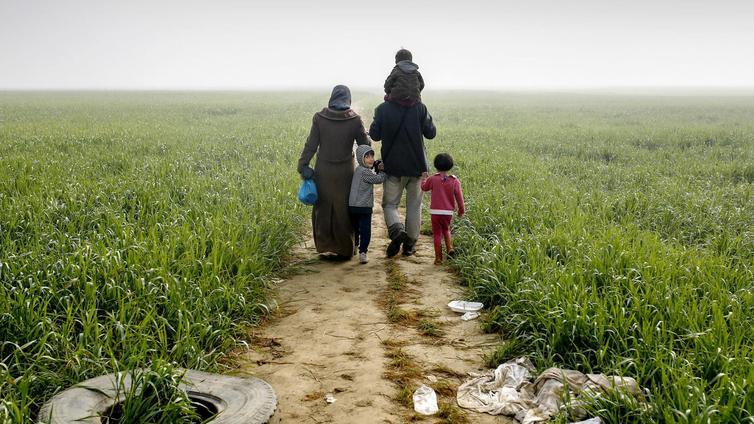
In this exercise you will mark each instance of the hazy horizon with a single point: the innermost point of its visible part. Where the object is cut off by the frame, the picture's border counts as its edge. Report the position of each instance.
(295, 45)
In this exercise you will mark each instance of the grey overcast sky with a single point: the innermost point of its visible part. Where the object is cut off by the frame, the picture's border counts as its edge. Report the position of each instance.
(237, 44)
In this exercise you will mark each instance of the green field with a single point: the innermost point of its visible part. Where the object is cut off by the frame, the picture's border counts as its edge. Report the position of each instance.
(137, 227)
(616, 235)
(606, 233)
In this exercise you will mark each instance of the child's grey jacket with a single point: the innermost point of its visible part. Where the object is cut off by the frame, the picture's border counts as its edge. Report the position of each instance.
(362, 192)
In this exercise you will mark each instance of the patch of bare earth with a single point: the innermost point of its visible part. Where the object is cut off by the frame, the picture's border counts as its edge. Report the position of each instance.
(368, 335)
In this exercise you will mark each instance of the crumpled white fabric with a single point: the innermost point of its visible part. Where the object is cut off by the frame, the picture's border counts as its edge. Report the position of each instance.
(497, 392)
(509, 391)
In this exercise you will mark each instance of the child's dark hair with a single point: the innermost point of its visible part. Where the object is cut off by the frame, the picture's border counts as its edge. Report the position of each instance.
(403, 54)
(443, 162)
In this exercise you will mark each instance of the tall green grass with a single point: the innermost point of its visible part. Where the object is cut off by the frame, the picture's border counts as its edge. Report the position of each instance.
(137, 227)
(154, 396)
(615, 234)
(606, 233)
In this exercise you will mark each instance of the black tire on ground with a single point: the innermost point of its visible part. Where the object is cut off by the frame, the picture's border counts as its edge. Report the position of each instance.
(236, 399)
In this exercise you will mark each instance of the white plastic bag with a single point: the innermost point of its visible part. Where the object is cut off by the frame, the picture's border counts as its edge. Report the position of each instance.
(425, 400)
(462, 306)
(468, 316)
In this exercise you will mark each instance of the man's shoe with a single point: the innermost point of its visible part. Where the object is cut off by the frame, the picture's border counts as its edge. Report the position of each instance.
(395, 244)
(409, 248)
(363, 258)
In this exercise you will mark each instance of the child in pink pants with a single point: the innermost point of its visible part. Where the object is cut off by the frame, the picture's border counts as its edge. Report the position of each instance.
(446, 194)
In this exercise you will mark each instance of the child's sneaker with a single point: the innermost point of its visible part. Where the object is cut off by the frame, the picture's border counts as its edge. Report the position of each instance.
(363, 258)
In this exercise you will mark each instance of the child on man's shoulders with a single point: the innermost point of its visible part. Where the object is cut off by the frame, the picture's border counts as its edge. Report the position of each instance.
(404, 84)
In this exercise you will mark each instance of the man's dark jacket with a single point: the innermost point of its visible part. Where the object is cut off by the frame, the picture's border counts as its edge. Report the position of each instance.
(402, 144)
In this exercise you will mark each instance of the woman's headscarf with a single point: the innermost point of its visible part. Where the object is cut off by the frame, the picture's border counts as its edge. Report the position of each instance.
(340, 99)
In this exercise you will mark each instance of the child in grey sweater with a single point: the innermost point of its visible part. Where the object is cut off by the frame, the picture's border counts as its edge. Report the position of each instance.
(361, 198)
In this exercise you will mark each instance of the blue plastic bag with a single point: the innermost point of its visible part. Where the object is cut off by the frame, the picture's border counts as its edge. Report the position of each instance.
(307, 194)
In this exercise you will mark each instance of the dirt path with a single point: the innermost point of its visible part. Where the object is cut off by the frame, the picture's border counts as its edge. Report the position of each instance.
(355, 332)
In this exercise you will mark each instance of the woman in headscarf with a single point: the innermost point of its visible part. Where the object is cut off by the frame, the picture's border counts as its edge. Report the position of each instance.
(331, 137)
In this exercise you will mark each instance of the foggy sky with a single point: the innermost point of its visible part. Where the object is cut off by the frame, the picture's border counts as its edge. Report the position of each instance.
(235, 44)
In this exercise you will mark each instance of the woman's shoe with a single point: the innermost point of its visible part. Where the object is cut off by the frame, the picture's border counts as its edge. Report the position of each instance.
(363, 258)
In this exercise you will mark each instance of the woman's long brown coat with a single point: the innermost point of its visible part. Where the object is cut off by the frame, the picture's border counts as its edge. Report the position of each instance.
(331, 138)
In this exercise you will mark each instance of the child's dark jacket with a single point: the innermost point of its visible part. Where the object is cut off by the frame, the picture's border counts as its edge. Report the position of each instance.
(405, 81)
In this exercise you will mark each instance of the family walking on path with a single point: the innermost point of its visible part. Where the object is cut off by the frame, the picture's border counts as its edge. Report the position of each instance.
(341, 217)
(328, 353)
